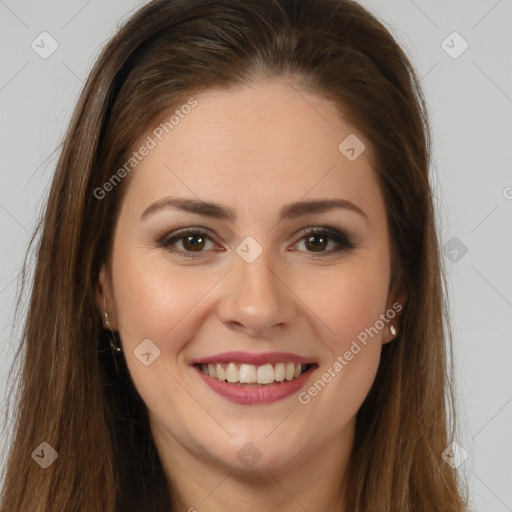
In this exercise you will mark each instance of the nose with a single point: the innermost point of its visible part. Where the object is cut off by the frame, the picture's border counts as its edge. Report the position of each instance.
(256, 298)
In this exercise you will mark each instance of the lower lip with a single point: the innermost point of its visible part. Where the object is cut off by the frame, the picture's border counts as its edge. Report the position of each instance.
(247, 395)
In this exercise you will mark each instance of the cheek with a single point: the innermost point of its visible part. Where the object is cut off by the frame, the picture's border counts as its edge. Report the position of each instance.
(156, 302)
(351, 306)
(152, 299)
(347, 299)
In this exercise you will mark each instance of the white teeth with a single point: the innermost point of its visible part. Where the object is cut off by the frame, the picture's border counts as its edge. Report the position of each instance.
(232, 373)
(279, 372)
(212, 371)
(250, 374)
(221, 374)
(290, 371)
(247, 373)
(266, 374)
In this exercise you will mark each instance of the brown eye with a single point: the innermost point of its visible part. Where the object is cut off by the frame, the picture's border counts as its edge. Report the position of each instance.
(316, 243)
(325, 241)
(188, 243)
(194, 242)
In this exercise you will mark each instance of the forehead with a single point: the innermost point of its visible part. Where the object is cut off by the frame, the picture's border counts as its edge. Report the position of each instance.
(260, 145)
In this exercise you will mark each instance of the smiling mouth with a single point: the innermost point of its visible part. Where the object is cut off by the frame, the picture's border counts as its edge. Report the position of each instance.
(248, 375)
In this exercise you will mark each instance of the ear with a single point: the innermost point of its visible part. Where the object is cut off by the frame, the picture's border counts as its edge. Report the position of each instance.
(105, 300)
(394, 309)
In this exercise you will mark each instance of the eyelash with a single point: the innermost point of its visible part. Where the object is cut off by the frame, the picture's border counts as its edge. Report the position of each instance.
(342, 240)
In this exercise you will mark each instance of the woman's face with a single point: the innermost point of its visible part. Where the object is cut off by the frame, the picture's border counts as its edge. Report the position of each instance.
(269, 277)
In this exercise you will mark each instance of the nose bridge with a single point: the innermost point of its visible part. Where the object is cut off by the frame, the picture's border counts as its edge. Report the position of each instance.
(255, 297)
(257, 278)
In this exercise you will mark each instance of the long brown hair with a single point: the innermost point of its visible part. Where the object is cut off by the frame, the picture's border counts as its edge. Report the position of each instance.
(76, 396)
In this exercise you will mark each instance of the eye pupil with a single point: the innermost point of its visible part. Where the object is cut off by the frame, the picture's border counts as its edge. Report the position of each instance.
(188, 242)
(317, 246)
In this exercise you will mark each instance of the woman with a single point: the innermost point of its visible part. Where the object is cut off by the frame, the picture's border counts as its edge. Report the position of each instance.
(237, 301)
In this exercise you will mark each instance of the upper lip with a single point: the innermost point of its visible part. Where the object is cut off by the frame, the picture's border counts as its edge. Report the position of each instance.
(254, 359)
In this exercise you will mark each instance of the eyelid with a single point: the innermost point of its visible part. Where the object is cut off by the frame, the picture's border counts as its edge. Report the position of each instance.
(325, 229)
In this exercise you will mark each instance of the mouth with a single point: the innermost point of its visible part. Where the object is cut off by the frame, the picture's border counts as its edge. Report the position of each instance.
(276, 377)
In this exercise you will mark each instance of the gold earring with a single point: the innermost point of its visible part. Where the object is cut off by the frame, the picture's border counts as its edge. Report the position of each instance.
(113, 343)
(393, 330)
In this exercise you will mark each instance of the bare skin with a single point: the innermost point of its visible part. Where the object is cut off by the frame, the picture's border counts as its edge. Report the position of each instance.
(253, 150)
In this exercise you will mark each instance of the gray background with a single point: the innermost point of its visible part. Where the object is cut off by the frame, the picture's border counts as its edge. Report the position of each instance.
(470, 102)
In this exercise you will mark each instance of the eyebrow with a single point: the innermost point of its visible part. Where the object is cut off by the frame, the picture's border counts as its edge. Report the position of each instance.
(217, 211)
